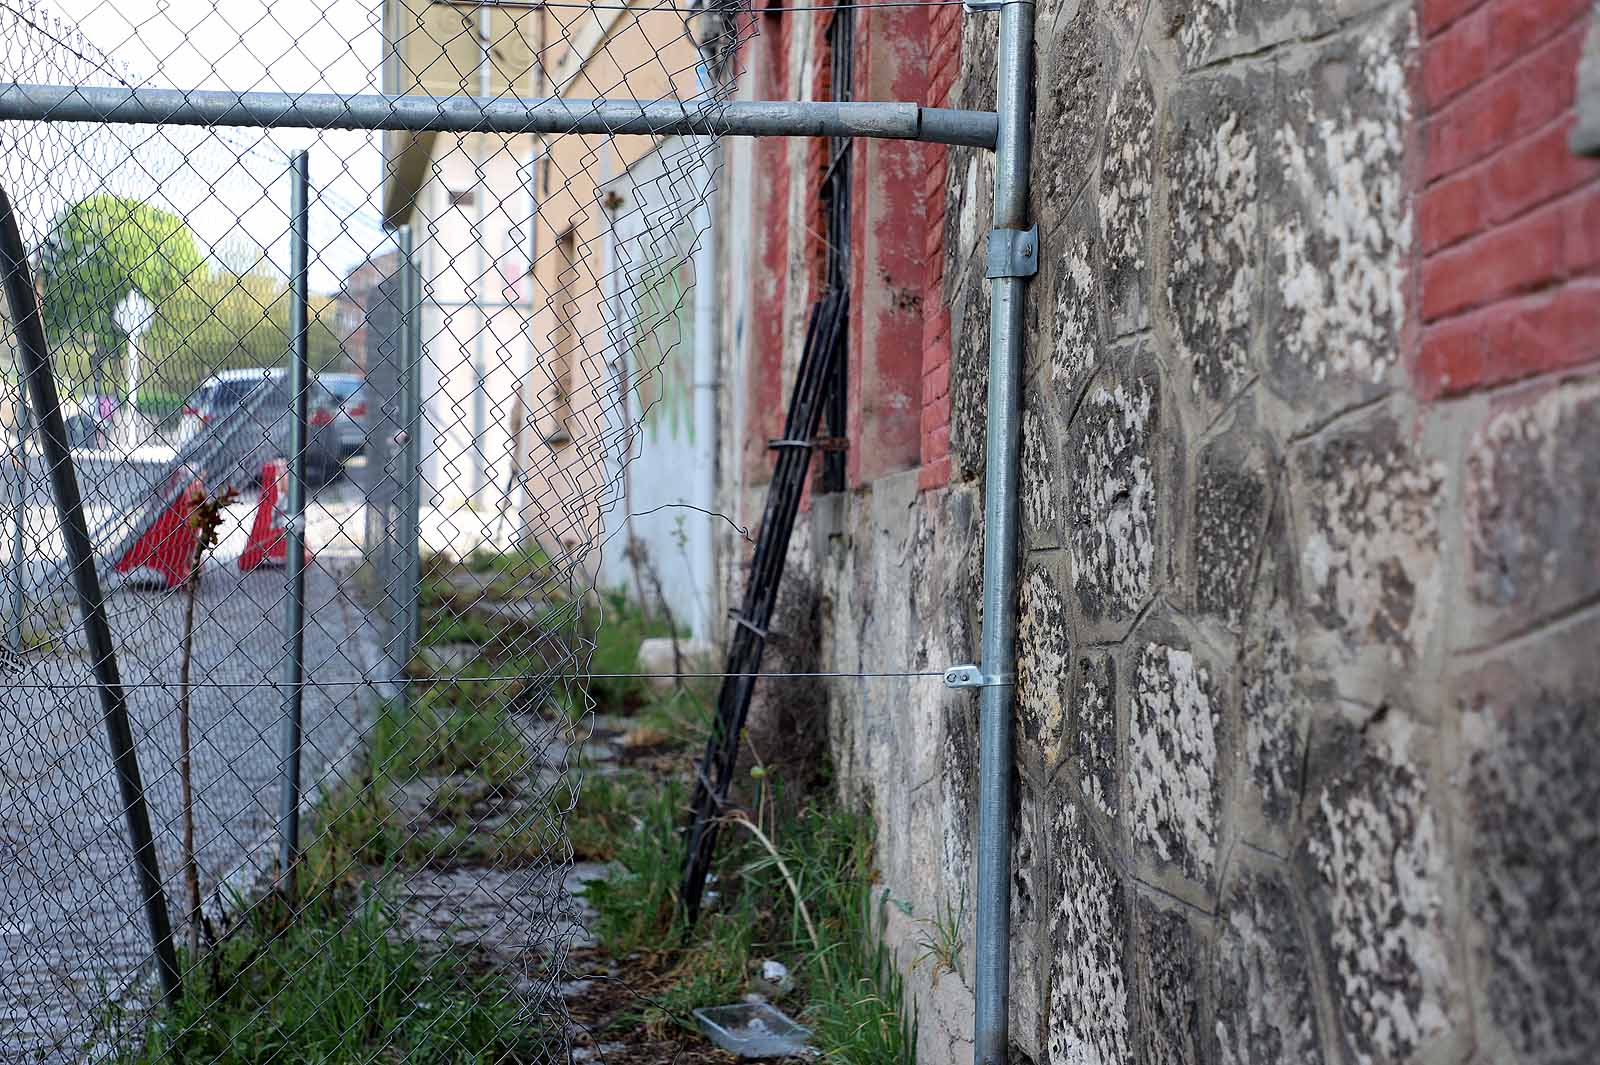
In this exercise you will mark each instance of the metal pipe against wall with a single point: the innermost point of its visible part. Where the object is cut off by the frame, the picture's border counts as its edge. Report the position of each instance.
(411, 448)
(465, 114)
(706, 368)
(1001, 475)
(294, 620)
(34, 361)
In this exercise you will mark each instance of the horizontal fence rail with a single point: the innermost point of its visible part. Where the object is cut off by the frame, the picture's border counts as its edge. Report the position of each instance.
(457, 114)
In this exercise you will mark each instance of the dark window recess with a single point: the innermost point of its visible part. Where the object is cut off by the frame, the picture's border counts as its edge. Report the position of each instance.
(835, 196)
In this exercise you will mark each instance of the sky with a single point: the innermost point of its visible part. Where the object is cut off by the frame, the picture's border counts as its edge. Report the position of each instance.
(231, 186)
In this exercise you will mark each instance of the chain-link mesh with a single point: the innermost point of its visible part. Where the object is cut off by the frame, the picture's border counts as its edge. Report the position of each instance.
(489, 318)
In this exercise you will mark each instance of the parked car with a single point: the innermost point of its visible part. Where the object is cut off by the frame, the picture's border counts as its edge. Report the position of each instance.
(222, 395)
(350, 421)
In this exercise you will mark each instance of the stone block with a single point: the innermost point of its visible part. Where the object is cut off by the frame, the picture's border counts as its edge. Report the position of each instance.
(1368, 526)
(1339, 233)
(1266, 1009)
(1040, 469)
(1532, 502)
(1070, 99)
(1171, 986)
(968, 213)
(969, 377)
(1214, 135)
(1072, 338)
(1089, 1020)
(1126, 191)
(1122, 473)
(1531, 821)
(1371, 862)
(1095, 736)
(1275, 719)
(1212, 30)
(1030, 880)
(1176, 740)
(958, 780)
(1233, 495)
(1043, 669)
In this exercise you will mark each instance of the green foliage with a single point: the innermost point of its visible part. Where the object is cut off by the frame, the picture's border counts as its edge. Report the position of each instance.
(637, 907)
(441, 737)
(206, 318)
(616, 650)
(852, 994)
(98, 251)
(326, 985)
(940, 941)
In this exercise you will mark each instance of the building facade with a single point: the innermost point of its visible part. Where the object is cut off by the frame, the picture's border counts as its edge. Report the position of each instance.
(557, 291)
(1306, 717)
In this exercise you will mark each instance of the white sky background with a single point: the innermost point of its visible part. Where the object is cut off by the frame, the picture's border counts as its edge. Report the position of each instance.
(231, 186)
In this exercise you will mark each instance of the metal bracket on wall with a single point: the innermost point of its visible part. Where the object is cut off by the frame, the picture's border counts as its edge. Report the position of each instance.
(1012, 253)
(970, 676)
(984, 5)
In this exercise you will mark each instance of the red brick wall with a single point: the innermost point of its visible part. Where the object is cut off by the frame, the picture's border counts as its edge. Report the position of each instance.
(888, 216)
(1508, 220)
(944, 63)
(900, 323)
(766, 393)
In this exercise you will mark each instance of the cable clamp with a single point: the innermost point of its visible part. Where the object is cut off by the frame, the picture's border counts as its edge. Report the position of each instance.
(970, 676)
(1012, 253)
(821, 443)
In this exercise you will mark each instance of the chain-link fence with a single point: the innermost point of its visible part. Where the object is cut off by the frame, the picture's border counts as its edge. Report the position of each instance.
(309, 441)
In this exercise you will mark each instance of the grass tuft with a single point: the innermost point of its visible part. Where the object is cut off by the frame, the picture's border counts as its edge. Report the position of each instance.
(337, 987)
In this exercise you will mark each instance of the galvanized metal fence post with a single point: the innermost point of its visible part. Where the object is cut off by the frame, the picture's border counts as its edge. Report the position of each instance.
(411, 448)
(1013, 257)
(34, 363)
(294, 623)
(19, 524)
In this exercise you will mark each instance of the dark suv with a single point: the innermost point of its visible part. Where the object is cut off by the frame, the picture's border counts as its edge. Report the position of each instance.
(223, 396)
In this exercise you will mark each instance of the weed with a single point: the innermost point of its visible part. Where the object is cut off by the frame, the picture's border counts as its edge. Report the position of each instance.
(940, 941)
(637, 908)
(681, 717)
(616, 641)
(801, 890)
(325, 985)
(433, 735)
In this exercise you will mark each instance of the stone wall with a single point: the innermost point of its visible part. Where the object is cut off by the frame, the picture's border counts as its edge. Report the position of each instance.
(1308, 715)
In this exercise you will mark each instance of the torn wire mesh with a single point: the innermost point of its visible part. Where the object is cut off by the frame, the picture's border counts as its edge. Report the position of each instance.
(492, 320)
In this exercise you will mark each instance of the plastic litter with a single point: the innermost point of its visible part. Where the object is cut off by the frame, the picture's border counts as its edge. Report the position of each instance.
(753, 1030)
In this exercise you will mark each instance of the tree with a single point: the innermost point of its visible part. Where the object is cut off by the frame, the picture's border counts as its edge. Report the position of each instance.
(97, 251)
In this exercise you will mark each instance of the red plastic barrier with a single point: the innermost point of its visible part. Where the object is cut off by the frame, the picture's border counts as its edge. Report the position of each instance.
(269, 545)
(167, 547)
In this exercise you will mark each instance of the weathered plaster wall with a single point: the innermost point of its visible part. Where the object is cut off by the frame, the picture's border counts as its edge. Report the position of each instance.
(1308, 716)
